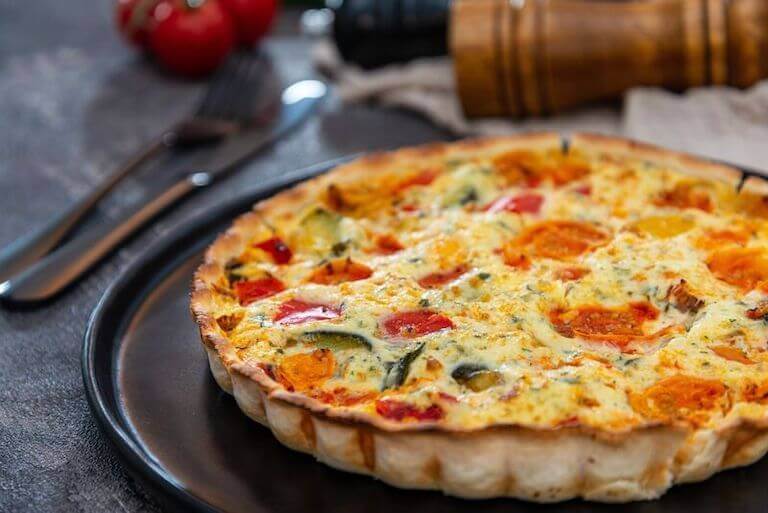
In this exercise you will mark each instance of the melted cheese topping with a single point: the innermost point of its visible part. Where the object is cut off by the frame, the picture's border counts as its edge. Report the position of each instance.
(524, 288)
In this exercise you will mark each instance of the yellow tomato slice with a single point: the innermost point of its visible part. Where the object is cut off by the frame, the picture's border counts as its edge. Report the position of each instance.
(681, 397)
(304, 371)
(663, 227)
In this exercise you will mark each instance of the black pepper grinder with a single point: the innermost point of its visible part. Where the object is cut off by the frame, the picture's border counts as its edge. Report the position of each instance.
(373, 33)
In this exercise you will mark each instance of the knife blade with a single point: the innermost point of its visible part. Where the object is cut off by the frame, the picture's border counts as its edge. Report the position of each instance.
(52, 274)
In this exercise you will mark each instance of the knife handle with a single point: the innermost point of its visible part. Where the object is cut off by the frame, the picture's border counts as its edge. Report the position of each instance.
(55, 272)
(21, 253)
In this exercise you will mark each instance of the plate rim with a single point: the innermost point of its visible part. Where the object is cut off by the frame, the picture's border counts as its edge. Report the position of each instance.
(108, 419)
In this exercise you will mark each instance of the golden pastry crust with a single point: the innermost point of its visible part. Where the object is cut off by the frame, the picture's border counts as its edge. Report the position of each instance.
(607, 458)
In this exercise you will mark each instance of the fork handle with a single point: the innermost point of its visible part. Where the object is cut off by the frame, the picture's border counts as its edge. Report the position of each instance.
(21, 253)
(56, 271)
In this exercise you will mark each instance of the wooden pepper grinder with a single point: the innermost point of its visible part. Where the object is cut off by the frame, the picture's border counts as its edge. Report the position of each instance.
(536, 57)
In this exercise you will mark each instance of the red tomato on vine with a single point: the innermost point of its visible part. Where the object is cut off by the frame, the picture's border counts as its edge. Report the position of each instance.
(193, 37)
(253, 18)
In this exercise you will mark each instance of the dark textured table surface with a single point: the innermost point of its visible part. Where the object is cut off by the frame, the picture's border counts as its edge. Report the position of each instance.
(74, 102)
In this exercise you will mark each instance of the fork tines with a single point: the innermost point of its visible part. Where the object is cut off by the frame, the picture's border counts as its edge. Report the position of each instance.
(235, 88)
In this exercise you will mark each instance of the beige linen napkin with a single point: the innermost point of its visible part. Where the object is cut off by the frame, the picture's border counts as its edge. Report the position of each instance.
(717, 122)
(720, 123)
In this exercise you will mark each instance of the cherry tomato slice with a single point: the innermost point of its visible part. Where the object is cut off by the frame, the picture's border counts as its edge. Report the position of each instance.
(414, 324)
(249, 291)
(277, 249)
(437, 279)
(524, 203)
(296, 311)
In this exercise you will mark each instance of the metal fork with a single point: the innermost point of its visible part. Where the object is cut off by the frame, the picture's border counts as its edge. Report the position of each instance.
(228, 106)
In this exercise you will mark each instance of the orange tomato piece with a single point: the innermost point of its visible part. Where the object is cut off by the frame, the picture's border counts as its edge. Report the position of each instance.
(566, 171)
(304, 371)
(600, 323)
(755, 205)
(514, 256)
(423, 177)
(756, 393)
(525, 167)
(746, 268)
(717, 238)
(364, 197)
(731, 353)
(616, 326)
(369, 197)
(678, 397)
(561, 240)
(339, 271)
(349, 198)
(517, 167)
(686, 195)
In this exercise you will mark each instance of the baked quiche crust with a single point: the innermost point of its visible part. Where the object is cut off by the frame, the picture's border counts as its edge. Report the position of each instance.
(538, 458)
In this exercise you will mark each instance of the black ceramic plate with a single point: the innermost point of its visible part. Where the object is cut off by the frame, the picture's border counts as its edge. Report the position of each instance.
(148, 384)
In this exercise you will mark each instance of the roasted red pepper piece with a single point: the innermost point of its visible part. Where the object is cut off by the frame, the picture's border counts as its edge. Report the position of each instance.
(400, 410)
(296, 311)
(249, 291)
(277, 249)
(414, 324)
(524, 203)
(387, 244)
(439, 278)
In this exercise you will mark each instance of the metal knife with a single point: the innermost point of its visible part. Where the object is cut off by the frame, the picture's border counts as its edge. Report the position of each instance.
(61, 268)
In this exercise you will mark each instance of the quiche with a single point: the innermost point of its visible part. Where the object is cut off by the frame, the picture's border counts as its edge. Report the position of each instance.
(525, 316)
